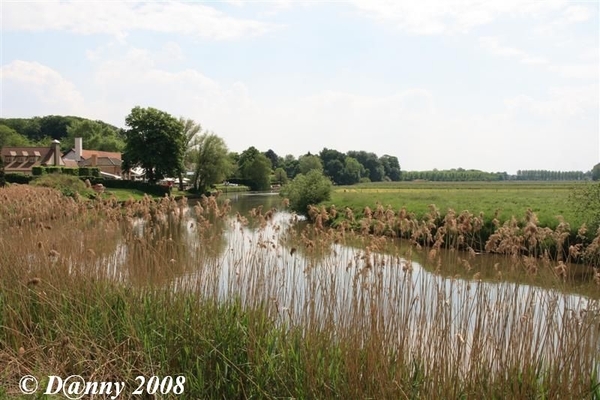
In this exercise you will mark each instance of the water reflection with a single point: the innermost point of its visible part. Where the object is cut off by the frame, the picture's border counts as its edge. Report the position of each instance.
(319, 280)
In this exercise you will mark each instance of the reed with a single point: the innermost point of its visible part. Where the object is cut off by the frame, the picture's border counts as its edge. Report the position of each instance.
(260, 306)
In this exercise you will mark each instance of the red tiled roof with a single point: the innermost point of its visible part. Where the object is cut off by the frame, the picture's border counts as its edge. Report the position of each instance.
(88, 154)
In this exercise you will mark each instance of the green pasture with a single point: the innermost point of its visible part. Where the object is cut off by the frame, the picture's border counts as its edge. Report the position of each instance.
(547, 200)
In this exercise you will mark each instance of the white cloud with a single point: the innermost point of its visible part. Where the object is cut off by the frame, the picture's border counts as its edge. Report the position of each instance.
(454, 16)
(120, 18)
(41, 87)
(494, 46)
(577, 71)
(562, 102)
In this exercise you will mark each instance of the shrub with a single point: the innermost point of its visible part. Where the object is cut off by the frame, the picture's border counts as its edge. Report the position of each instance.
(53, 169)
(308, 189)
(18, 178)
(38, 170)
(66, 184)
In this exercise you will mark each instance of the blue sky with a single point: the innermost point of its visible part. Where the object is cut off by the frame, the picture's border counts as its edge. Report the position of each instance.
(491, 85)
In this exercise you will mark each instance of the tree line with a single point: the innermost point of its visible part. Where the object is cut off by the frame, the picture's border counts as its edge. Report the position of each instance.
(167, 146)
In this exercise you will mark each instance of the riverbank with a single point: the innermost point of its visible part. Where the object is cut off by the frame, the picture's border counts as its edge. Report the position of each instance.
(515, 219)
(229, 309)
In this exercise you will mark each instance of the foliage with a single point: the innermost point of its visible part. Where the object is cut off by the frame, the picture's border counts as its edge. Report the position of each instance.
(255, 168)
(454, 175)
(373, 167)
(68, 185)
(16, 177)
(274, 158)
(95, 135)
(305, 190)
(596, 172)
(155, 142)
(291, 166)
(586, 201)
(40, 129)
(308, 163)
(546, 175)
(11, 138)
(212, 163)
(391, 167)
(352, 172)
(280, 176)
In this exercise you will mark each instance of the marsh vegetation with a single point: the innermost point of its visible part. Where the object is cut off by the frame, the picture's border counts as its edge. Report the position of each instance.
(259, 303)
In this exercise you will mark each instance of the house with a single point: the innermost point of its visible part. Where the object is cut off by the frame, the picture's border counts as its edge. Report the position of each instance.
(23, 159)
(107, 161)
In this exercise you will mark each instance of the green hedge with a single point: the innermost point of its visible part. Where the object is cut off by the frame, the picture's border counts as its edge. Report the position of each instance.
(84, 171)
(18, 178)
(38, 171)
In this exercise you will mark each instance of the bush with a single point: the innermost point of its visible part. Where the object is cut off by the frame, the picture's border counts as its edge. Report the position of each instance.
(68, 185)
(18, 178)
(38, 171)
(308, 189)
(586, 202)
(53, 170)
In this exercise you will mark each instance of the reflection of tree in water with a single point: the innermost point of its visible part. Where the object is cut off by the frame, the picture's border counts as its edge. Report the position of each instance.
(175, 241)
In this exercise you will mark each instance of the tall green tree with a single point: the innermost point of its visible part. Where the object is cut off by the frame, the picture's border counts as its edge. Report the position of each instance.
(309, 162)
(213, 164)
(352, 172)
(281, 176)
(372, 164)
(154, 141)
(290, 164)
(596, 172)
(10, 137)
(391, 167)
(255, 168)
(96, 136)
(274, 158)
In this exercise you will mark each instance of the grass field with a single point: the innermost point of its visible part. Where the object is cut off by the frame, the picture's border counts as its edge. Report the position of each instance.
(547, 200)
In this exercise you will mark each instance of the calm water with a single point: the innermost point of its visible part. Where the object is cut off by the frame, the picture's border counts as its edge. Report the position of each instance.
(308, 282)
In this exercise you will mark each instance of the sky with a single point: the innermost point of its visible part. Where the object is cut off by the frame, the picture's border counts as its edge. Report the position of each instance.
(492, 85)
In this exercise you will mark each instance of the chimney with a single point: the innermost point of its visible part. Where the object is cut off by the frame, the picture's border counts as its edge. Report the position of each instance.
(94, 159)
(78, 148)
(56, 148)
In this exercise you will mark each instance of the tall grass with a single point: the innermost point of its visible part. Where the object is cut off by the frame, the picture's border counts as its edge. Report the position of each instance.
(251, 307)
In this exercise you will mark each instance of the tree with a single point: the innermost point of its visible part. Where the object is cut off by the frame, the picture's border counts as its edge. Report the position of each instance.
(333, 164)
(308, 189)
(10, 137)
(290, 164)
(373, 167)
(96, 136)
(281, 176)
(213, 164)
(155, 142)
(255, 168)
(391, 167)
(275, 159)
(353, 171)
(596, 172)
(309, 162)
